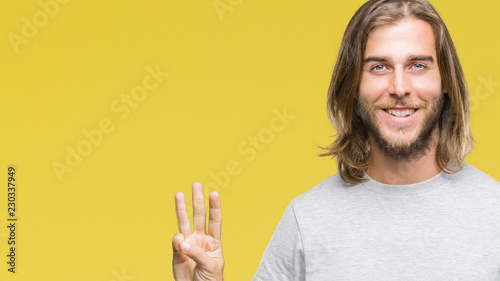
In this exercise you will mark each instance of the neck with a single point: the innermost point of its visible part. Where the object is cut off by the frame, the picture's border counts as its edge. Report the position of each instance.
(385, 170)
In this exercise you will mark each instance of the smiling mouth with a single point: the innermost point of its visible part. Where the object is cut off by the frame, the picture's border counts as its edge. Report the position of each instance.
(401, 112)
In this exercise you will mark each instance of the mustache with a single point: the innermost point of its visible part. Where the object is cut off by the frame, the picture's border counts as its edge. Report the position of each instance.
(400, 103)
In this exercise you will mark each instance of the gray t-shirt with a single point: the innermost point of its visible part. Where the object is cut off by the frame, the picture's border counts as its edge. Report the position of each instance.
(445, 228)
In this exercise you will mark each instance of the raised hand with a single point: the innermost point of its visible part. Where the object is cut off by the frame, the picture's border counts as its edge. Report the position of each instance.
(198, 254)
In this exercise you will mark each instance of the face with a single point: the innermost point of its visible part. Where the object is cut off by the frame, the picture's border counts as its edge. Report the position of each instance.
(400, 96)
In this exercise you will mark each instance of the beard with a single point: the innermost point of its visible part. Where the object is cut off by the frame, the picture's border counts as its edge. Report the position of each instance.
(396, 150)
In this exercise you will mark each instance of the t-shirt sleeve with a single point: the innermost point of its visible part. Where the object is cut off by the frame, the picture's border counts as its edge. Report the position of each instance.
(283, 258)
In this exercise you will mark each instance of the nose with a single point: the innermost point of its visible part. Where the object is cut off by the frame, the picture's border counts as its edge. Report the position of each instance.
(400, 84)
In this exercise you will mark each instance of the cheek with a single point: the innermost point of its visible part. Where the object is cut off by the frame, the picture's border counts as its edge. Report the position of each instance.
(372, 88)
(427, 90)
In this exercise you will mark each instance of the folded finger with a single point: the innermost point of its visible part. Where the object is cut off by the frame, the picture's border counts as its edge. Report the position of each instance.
(177, 241)
(199, 255)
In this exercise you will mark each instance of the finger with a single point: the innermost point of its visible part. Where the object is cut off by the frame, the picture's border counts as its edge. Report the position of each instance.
(199, 216)
(178, 255)
(182, 217)
(176, 242)
(198, 255)
(215, 216)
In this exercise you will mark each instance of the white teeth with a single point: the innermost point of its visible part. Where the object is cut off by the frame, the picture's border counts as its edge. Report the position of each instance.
(400, 113)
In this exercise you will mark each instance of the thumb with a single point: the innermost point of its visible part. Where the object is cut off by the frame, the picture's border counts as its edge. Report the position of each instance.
(179, 256)
(176, 242)
(197, 254)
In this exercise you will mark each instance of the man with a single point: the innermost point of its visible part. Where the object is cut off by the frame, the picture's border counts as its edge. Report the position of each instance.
(404, 205)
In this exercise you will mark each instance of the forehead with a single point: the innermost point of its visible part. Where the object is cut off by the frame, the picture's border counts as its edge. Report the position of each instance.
(401, 39)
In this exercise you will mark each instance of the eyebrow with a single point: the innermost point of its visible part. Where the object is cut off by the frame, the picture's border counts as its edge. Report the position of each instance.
(410, 58)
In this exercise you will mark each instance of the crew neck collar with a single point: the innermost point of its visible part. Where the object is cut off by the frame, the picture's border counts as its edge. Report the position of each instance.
(406, 189)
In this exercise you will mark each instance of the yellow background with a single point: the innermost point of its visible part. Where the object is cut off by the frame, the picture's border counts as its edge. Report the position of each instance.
(113, 215)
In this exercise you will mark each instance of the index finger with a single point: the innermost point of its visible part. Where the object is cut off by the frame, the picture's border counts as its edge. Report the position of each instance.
(182, 217)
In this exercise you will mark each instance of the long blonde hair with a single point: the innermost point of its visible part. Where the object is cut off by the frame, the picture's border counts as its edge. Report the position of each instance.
(351, 146)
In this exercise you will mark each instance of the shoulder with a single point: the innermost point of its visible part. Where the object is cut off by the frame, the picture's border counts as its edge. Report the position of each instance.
(472, 175)
(474, 188)
(332, 191)
(327, 186)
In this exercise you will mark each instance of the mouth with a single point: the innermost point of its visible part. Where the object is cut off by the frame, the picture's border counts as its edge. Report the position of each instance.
(400, 112)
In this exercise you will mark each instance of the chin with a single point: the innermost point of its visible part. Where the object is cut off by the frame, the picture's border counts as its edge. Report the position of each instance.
(400, 143)
(400, 138)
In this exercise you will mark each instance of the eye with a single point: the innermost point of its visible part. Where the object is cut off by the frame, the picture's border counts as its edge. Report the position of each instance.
(378, 67)
(419, 66)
